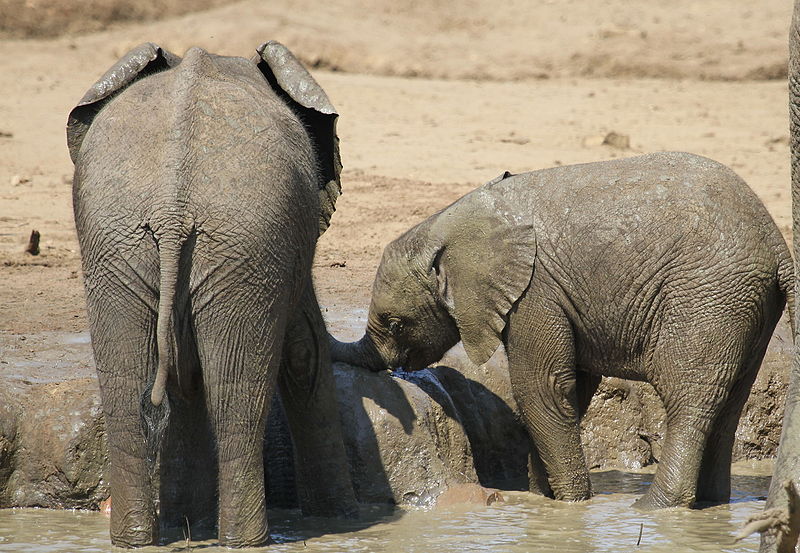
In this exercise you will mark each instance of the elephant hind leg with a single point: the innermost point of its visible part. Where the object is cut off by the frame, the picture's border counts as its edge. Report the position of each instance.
(714, 481)
(698, 365)
(239, 346)
(188, 470)
(122, 325)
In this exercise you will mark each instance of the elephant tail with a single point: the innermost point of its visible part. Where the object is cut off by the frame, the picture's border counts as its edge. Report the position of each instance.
(169, 253)
(786, 285)
(154, 405)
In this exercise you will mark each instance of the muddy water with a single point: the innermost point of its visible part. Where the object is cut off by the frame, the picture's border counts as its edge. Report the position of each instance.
(523, 523)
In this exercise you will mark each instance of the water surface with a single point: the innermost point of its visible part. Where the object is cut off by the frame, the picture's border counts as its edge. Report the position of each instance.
(521, 524)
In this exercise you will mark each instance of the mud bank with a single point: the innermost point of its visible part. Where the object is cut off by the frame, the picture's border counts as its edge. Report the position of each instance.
(409, 436)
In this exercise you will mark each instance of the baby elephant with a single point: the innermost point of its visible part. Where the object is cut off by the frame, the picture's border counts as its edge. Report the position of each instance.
(664, 268)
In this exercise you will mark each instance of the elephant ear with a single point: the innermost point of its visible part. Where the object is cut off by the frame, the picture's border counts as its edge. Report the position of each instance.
(483, 266)
(143, 60)
(287, 76)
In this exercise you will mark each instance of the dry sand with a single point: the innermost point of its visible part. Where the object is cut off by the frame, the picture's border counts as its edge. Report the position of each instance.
(435, 98)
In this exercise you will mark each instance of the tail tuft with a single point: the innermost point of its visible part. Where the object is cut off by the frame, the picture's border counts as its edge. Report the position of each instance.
(155, 419)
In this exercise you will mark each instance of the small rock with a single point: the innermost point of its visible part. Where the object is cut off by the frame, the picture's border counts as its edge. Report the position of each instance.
(16, 180)
(617, 140)
(778, 140)
(33, 243)
(471, 494)
(513, 139)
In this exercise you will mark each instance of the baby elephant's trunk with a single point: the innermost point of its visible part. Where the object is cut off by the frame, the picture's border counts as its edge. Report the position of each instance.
(362, 353)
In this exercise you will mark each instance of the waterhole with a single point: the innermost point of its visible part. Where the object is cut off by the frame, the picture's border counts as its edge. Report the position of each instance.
(522, 523)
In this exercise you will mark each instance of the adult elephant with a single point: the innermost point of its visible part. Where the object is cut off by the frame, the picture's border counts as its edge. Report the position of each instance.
(787, 464)
(201, 186)
(664, 268)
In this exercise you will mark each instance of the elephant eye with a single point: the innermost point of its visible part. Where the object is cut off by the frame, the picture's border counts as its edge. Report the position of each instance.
(395, 326)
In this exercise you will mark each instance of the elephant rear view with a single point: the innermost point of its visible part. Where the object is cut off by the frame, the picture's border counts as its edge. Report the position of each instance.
(201, 186)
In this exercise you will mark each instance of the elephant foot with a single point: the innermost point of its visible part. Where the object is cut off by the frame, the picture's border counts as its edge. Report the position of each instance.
(132, 529)
(138, 537)
(242, 542)
(574, 496)
(575, 487)
(653, 500)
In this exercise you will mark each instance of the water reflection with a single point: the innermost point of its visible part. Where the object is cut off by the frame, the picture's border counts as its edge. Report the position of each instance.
(523, 523)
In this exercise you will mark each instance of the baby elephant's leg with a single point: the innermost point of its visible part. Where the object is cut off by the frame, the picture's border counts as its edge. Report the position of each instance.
(541, 357)
(702, 376)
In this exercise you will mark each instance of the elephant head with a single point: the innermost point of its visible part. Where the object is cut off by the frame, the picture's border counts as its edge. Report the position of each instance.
(454, 276)
(284, 73)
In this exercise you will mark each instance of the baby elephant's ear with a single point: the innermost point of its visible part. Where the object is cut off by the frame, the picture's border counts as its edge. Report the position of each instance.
(485, 264)
(143, 60)
(287, 76)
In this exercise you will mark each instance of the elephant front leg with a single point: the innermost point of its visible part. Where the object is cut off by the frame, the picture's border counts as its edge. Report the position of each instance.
(541, 360)
(309, 398)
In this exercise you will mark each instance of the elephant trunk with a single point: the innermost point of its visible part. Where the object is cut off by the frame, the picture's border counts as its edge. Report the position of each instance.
(362, 353)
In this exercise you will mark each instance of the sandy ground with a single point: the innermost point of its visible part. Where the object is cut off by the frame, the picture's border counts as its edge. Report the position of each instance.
(435, 98)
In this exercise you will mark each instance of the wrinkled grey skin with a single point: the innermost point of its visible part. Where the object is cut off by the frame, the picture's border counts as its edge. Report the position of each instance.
(787, 463)
(664, 268)
(199, 194)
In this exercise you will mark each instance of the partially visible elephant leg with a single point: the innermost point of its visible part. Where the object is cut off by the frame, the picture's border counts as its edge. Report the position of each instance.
(787, 462)
(538, 482)
(123, 330)
(586, 385)
(188, 455)
(239, 346)
(189, 469)
(309, 398)
(714, 481)
(541, 359)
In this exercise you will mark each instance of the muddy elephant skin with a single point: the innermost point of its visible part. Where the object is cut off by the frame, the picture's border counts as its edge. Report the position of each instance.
(201, 185)
(787, 463)
(663, 268)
